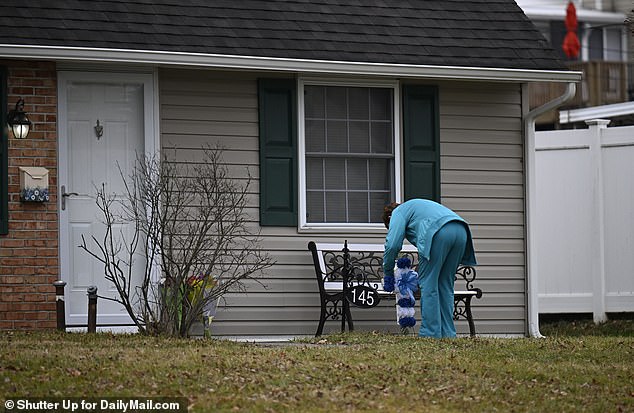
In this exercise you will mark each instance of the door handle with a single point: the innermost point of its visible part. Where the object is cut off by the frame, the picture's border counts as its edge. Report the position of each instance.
(66, 195)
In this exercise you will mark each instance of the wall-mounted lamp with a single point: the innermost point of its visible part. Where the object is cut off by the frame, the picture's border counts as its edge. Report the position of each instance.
(18, 121)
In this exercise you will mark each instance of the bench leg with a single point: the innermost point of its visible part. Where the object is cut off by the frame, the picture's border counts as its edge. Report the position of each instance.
(472, 330)
(322, 320)
(349, 318)
(323, 316)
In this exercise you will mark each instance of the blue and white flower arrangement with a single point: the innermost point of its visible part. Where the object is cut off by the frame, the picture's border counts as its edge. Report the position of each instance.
(404, 283)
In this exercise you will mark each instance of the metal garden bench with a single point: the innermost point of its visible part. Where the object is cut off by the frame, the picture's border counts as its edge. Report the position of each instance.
(355, 271)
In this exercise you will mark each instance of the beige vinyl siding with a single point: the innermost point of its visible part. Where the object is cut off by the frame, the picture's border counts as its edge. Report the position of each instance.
(481, 178)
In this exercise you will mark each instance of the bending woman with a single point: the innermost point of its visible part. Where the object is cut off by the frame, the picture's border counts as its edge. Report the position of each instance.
(443, 240)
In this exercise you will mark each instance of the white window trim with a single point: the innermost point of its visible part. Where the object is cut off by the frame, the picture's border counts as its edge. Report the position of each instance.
(303, 226)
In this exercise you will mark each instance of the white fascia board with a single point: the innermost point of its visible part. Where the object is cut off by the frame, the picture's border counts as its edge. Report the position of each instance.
(596, 112)
(284, 64)
(583, 15)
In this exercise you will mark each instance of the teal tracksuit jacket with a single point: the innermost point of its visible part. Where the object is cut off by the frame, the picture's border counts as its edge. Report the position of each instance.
(418, 220)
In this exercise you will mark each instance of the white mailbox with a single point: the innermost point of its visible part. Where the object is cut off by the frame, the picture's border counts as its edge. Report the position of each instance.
(33, 184)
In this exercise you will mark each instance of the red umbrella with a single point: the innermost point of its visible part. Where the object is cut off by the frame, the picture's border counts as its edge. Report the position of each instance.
(571, 44)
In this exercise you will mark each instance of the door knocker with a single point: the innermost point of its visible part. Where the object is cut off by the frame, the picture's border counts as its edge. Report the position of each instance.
(98, 130)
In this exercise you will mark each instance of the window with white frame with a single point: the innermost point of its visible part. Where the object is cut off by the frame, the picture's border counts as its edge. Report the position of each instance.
(349, 153)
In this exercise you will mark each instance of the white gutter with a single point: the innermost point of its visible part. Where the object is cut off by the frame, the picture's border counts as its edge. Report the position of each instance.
(596, 112)
(82, 54)
(531, 206)
(583, 15)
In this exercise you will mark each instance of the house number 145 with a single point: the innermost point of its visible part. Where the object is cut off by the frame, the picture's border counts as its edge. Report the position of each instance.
(363, 296)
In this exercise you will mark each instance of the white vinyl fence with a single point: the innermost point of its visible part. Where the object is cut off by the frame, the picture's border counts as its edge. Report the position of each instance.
(585, 220)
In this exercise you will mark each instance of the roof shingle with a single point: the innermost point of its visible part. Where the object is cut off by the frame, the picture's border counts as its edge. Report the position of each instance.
(472, 33)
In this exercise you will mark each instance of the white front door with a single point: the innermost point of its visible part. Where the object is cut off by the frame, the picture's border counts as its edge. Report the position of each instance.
(103, 122)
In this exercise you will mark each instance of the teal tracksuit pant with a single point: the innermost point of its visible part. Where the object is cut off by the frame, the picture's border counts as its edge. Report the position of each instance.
(436, 280)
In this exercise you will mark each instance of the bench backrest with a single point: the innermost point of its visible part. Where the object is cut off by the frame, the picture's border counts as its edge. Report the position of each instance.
(319, 250)
(323, 246)
(335, 250)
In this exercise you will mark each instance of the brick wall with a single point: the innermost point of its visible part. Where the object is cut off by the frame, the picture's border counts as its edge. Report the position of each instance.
(29, 261)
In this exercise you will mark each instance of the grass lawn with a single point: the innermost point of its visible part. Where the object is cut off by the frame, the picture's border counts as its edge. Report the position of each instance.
(578, 367)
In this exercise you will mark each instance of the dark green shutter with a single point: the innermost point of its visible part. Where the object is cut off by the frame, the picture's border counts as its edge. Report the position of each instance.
(4, 155)
(278, 151)
(421, 138)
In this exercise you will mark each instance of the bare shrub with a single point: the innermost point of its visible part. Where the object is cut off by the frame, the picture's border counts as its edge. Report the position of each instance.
(189, 222)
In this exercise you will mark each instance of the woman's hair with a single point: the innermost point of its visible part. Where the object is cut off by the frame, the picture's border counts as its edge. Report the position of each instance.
(387, 213)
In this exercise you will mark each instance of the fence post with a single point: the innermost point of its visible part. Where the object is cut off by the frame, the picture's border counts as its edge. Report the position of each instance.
(59, 304)
(597, 126)
(92, 309)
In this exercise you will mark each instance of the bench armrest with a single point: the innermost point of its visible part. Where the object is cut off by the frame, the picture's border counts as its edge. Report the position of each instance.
(468, 274)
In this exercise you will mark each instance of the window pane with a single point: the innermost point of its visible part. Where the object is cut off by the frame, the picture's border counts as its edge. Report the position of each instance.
(314, 102)
(382, 137)
(377, 202)
(337, 140)
(335, 207)
(380, 174)
(335, 174)
(613, 38)
(357, 174)
(596, 45)
(314, 174)
(315, 135)
(381, 104)
(336, 103)
(348, 120)
(314, 207)
(359, 137)
(358, 207)
(358, 103)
